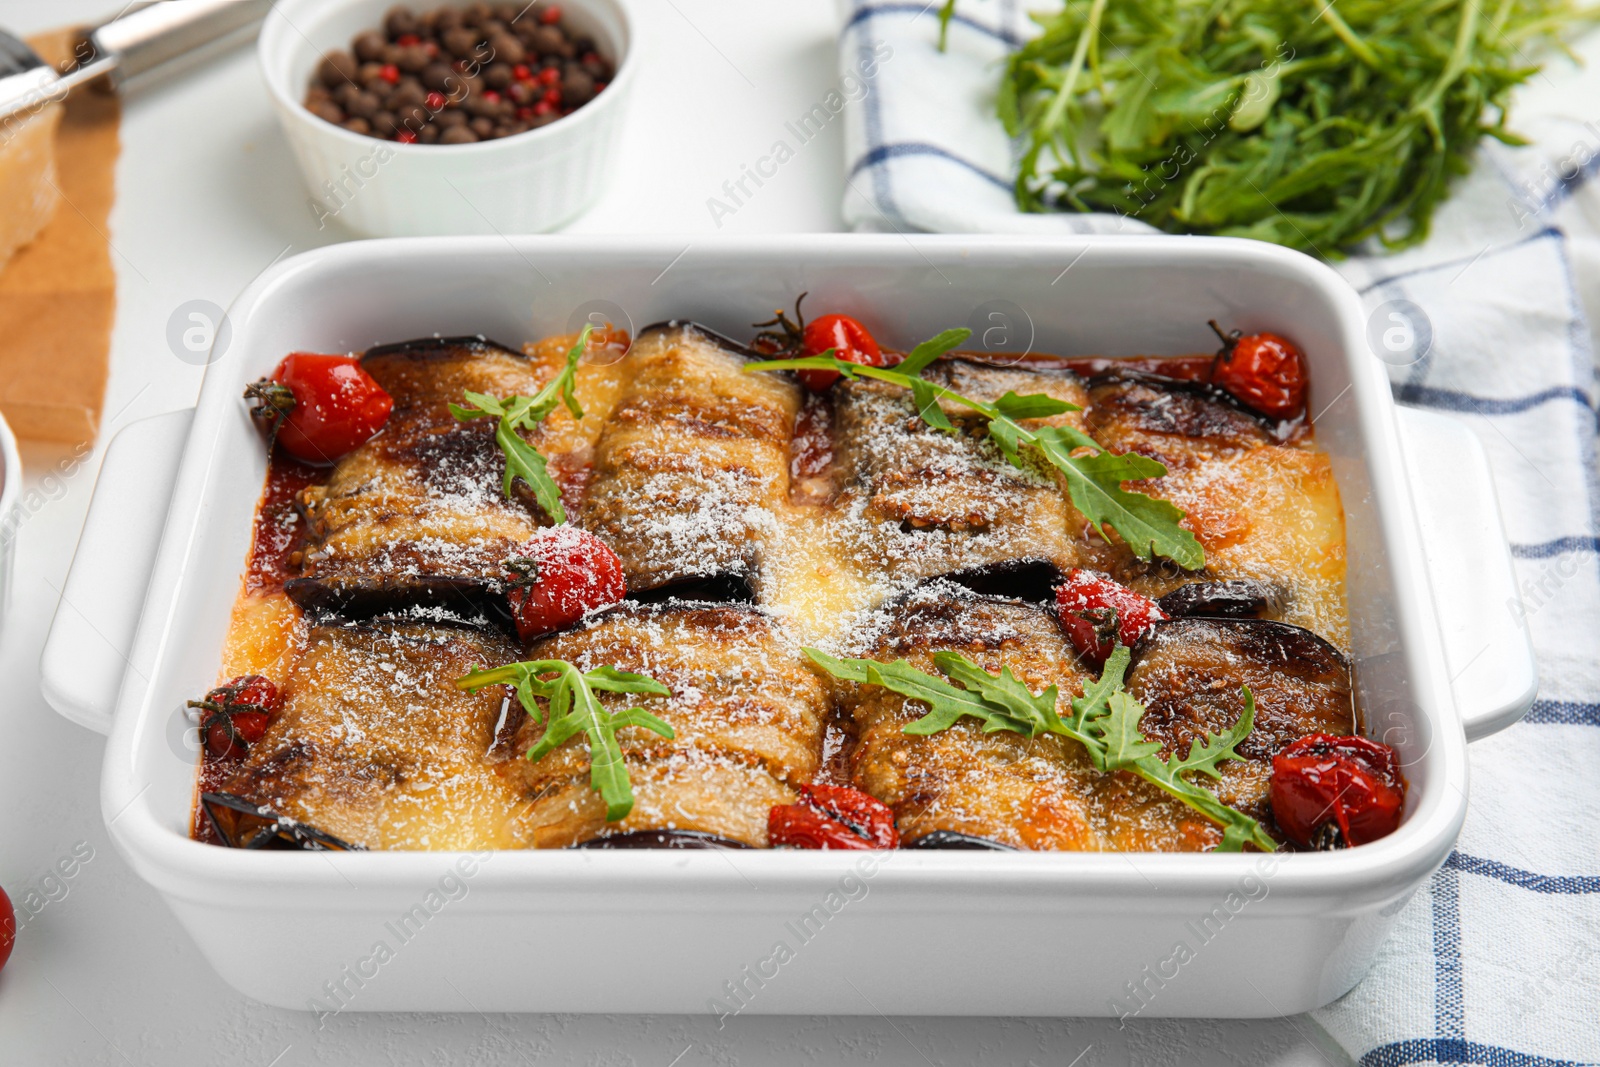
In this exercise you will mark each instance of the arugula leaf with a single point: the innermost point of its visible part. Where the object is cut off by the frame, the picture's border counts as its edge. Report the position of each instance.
(1204, 756)
(1032, 406)
(1148, 526)
(575, 709)
(945, 12)
(526, 413)
(1119, 732)
(925, 353)
(1220, 118)
(946, 703)
(925, 395)
(1031, 715)
(1105, 721)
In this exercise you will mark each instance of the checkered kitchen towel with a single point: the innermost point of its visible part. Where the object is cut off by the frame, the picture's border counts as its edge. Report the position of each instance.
(1497, 960)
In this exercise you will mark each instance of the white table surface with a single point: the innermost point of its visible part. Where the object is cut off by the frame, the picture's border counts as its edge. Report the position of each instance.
(207, 196)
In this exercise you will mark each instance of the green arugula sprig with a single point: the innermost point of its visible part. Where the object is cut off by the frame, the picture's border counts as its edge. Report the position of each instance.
(1253, 118)
(1148, 526)
(575, 709)
(526, 413)
(1105, 721)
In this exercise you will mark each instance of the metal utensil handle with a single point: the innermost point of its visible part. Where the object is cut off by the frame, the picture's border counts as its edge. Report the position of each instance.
(152, 35)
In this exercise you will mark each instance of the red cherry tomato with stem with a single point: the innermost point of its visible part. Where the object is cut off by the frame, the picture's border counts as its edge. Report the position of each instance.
(562, 574)
(1333, 792)
(1096, 612)
(850, 341)
(320, 407)
(237, 715)
(1262, 371)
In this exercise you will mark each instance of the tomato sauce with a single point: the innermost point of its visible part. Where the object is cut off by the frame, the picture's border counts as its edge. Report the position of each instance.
(281, 529)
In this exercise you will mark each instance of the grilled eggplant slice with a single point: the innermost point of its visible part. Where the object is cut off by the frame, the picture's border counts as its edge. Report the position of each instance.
(1001, 786)
(1188, 673)
(238, 823)
(920, 502)
(1259, 498)
(693, 462)
(375, 744)
(1009, 790)
(417, 515)
(748, 714)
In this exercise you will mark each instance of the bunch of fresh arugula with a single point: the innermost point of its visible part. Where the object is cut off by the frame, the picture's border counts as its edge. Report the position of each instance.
(526, 413)
(1094, 480)
(1105, 721)
(1315, 126)
(574, 709)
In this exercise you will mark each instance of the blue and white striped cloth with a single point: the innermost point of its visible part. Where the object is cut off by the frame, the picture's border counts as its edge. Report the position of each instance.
(1497, 960)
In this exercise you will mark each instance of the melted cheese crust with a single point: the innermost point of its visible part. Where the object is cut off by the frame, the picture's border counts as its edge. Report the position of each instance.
(681, 462)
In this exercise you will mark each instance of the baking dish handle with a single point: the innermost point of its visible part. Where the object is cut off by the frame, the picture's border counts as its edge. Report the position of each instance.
(84, 658)
(1493, 673)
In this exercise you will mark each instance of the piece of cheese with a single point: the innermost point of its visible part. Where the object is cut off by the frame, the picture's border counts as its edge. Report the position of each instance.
(28, 186)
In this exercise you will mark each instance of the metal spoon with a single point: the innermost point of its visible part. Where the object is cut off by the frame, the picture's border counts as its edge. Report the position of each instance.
(144, 39)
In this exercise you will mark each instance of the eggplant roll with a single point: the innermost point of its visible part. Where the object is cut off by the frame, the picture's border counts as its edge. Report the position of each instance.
(417, 514)
(1035, 794)
(1044, 793)
(693, 462)
(747, 711)
(1188, 674)
(919, 502)
(375, 744)
(1260, 499)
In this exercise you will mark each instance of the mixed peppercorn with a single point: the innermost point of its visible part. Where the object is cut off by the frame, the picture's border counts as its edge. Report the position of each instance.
(456, 75)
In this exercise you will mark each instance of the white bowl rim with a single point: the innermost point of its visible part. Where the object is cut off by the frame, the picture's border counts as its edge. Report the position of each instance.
(276, 43)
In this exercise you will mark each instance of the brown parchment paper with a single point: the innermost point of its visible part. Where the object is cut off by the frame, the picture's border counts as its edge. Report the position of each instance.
(58, 295)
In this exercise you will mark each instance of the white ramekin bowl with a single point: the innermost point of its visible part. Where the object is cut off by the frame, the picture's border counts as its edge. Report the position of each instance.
(528, 183)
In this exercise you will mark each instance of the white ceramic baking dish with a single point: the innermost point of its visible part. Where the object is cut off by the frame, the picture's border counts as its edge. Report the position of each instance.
(768, 932)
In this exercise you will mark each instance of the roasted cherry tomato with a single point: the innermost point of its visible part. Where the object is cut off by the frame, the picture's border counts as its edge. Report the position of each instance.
(849, 340)
(1097, 612)
(320, 407)
(1331, 792)
(237, 715)
(1262, 371)
(8, 928)
(832, 817)
(562, 574)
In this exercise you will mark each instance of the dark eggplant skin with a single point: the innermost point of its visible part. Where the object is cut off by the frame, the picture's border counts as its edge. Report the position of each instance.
(721, 340)
(724, 588)
(1233, 598)
(1028, 578)
(229, 815)
(473, 600)
(950, 840)
(1143, 403)
(693, 839)
(427, 348)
